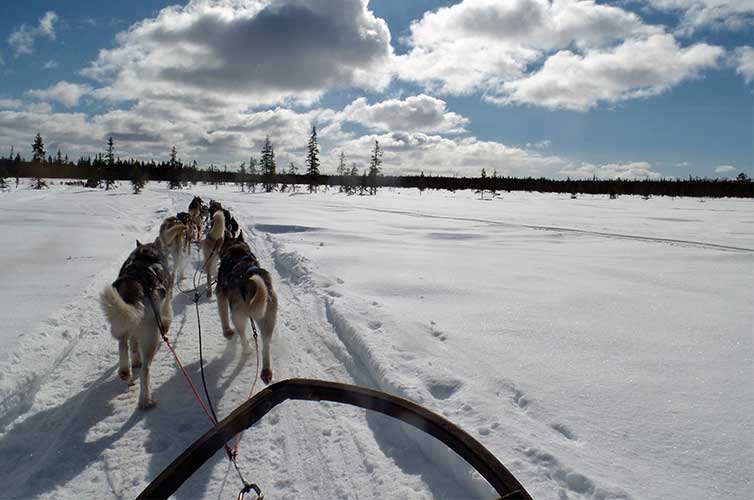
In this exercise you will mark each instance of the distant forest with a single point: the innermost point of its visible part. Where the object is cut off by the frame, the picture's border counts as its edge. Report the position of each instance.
(104, 169)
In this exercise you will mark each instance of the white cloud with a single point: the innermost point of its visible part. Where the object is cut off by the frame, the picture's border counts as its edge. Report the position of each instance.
(634, 69)
(725, 169)
(696, 14)
(564, 54)
(420, 113)
(247, 53)
(68, 94)
(10, 104)
(22, 38)
(743, 60)
(477, 45)
(50, 64)
(631, 170)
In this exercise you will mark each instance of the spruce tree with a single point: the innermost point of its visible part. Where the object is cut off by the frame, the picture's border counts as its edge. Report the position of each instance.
(312, 160)
(110, 158)
(374, 167)
(342, 171)
(37, 159)
(268, 166)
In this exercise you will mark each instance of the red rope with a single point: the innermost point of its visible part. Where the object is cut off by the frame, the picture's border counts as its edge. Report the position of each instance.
(251, 391)
(195, 391)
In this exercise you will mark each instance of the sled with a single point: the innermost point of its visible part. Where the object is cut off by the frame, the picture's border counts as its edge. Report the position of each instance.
(250, 412)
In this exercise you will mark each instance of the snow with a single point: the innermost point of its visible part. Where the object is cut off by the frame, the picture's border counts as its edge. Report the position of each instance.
(599, 348)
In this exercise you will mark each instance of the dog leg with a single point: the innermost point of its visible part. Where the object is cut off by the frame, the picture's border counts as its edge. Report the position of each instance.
(208, 272)
(239, 321)
(135, 354)
(124, 364)
(148, 346)
(222, 308)
(266, 327)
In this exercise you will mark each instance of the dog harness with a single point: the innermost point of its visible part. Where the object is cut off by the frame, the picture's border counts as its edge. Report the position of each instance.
(237, 272)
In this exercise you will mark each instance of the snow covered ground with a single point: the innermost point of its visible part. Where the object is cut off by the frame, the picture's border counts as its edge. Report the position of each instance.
(600, 348)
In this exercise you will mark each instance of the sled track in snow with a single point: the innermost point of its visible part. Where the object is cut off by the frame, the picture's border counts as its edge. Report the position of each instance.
(648, 239)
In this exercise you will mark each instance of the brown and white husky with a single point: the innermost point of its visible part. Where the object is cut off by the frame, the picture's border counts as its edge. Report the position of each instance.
(143, 285)
(245, 290)
(173, 235)
(211, 247)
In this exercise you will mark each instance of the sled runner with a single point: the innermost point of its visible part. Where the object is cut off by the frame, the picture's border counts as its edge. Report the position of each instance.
(250, 412)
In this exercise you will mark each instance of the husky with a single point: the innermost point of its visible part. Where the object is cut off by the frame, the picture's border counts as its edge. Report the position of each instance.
(188, 221)
(246, 290)
(211, 247)
(144, 285)
(173, 236)
(231, 225)
(198, 212)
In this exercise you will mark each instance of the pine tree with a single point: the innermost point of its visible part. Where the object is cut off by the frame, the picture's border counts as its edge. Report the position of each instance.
(312, 160)
(374, 167)
(138, 179)
(342, 171)
(483, 178)
(241, 175)
(110, 158)
(174, 181)
(268, 165)
(38, 157)
(252, 186)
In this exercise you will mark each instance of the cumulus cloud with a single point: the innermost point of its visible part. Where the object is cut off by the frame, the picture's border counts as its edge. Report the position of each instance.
(567, 54)
(725, 169)
(23, 37)
(696, 14)
(421, 113)
(68, 94)
(252, 52)
(630, 170)
(10, 104)
(743, 61)
(633, 69)
(477, 45)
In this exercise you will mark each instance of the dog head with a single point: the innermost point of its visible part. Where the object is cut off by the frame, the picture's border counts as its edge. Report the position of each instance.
(234, 246)
(214, 206)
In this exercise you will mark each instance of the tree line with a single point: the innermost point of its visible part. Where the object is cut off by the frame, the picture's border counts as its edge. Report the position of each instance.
(105, 168)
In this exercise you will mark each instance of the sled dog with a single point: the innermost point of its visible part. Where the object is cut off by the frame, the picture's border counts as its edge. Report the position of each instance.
(211, 247)
(230, 223)
(198, 211)
(143, 283)
(245, 289)
(173, 236)
(188, 221)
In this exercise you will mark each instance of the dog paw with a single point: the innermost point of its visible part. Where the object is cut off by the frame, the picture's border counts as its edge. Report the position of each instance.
(228, 333)
(266, 375)
(125, 376)
(147, 404)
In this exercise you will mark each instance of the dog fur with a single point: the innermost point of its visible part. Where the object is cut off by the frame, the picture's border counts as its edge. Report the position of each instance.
(198, 212)
(173, 235)
(245, 290)
(231, 225)
(144, 277)
(211, 247)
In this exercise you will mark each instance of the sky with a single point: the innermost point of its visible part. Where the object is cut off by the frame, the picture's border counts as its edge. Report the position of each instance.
(564, 88)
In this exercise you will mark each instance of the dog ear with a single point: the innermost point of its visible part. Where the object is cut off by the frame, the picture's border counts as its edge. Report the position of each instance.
(138, 244)
(240, 235)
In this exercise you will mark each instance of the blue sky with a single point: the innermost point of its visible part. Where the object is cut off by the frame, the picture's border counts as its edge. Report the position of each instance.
(641, 88)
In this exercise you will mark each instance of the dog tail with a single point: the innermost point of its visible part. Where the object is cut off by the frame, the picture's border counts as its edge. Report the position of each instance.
(179, 231)
(122, 315)
(258, 303)
(218, 225)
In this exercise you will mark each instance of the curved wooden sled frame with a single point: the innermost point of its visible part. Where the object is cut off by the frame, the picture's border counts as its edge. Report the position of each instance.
(246, 415)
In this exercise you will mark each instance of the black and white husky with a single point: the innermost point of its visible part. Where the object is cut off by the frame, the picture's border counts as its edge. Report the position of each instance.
(245, 290)
(144, 283)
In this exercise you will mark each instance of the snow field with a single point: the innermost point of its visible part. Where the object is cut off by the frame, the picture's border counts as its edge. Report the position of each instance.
(593, 365)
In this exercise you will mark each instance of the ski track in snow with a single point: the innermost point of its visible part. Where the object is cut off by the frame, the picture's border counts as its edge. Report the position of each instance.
(649, 239)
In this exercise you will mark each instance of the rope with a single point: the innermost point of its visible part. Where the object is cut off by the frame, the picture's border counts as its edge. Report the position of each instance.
(209, 408)
(253, 384)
